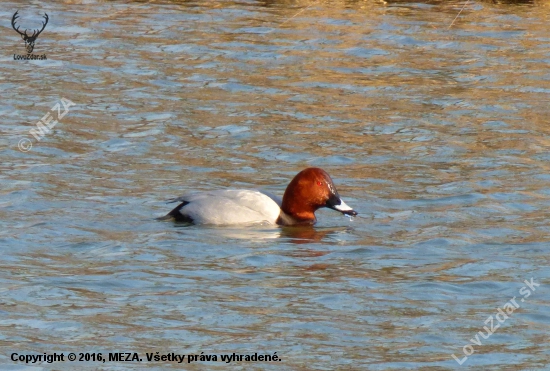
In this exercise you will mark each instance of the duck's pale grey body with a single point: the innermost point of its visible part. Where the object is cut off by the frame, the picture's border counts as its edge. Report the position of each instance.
(229, 207)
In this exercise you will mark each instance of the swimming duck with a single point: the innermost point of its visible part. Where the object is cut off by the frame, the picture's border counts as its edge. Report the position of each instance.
(310, 190)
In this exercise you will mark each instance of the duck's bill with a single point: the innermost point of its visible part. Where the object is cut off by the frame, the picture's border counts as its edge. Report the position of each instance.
(339, 205)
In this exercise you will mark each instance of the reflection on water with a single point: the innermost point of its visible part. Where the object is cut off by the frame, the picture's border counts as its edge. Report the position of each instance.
(309, 234)
(436, 136)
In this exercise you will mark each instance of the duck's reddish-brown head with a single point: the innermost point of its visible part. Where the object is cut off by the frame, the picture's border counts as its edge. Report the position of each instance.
(310, 190)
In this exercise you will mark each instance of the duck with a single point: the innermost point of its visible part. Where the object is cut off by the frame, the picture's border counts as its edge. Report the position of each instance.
(310, 190)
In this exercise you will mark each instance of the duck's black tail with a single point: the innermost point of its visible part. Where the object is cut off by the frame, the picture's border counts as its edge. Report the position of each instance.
(177, 215)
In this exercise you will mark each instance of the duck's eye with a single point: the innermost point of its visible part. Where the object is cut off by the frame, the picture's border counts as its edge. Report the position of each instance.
(319, 183)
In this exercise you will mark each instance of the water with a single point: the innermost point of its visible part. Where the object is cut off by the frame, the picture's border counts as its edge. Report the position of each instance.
(438, 137)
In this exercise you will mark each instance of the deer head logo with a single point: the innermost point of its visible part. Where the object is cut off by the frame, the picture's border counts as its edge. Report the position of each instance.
(29, 40)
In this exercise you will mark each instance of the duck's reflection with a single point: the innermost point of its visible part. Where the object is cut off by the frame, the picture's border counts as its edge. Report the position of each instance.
(309, 234)
(293, 234)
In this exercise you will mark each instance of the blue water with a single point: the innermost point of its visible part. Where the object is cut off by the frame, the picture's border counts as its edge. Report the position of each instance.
(436, 136)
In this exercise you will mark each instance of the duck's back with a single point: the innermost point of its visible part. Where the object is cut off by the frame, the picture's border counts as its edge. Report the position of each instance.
(228, 207)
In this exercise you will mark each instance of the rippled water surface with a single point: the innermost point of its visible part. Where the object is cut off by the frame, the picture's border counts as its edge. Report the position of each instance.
(438, 136)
